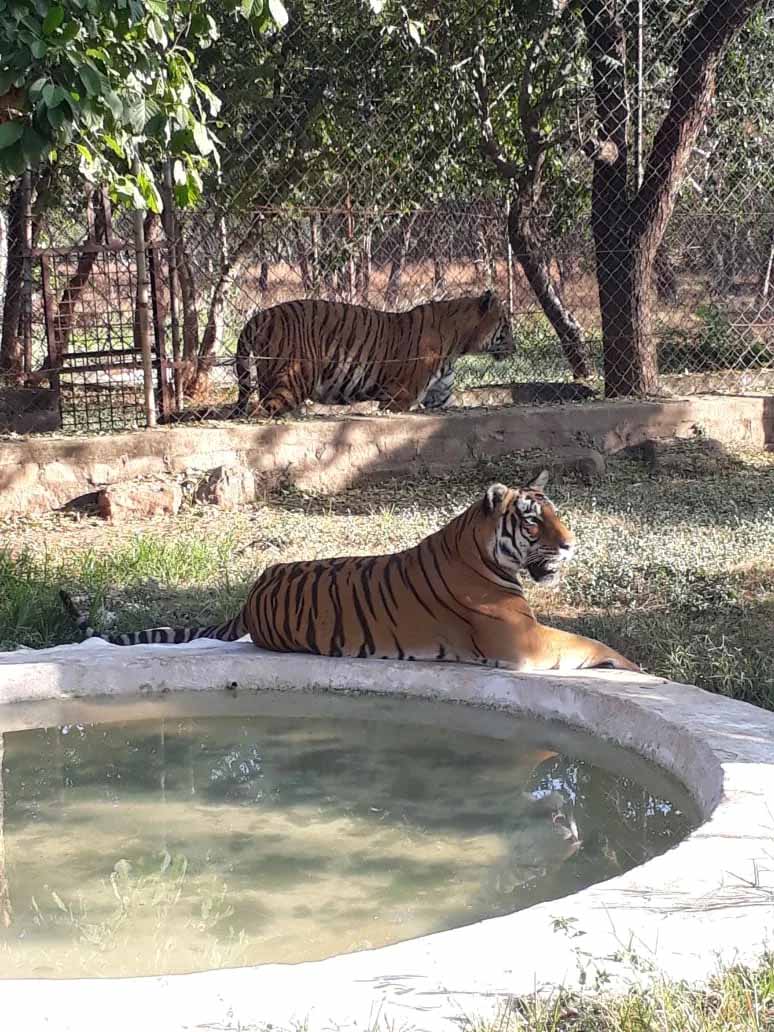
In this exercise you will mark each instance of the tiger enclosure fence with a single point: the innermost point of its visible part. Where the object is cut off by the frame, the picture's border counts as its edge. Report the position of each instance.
(604, 168)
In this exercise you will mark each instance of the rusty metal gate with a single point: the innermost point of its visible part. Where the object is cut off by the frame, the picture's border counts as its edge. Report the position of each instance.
(93, 354)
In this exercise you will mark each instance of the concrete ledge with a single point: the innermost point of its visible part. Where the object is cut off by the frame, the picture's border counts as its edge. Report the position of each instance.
(37, 475)
(709, 901)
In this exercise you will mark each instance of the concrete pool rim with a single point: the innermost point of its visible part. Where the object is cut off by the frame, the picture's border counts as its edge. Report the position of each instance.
(707, 902)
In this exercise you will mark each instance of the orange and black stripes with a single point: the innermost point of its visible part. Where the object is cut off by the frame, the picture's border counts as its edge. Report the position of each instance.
(456, 596)
(336, 353)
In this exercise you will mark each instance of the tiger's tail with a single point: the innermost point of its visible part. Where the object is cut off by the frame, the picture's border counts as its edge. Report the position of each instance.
(230, 630)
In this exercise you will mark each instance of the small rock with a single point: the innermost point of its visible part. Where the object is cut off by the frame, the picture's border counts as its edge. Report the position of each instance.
(228, 487)
(139, 498)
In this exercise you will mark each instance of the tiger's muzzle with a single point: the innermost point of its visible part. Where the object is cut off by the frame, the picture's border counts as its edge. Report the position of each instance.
(547, 569)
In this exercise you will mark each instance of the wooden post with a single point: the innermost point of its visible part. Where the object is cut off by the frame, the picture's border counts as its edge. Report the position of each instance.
(143, 315)
(169, 229)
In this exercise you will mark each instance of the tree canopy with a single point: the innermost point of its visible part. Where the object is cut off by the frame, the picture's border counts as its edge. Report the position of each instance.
(116, 80)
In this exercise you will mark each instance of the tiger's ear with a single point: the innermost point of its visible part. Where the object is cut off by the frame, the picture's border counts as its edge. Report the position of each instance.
(485, 302)
(539, 482)
(494, 498)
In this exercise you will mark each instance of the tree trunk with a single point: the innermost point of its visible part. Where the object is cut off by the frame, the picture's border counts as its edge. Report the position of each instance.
(310, 269)
(230, 266)
(627, 361)
(364, 266)
(71, 295)
(396, 268)
(628, 232)
(3, 254)
(185, 282)
(263, 277)
(526, 250)
(11, 356)
(522, 210)
(439, 277)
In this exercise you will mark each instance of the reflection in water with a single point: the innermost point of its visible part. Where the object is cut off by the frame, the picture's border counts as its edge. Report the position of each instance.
(179, 844)
(5, 896)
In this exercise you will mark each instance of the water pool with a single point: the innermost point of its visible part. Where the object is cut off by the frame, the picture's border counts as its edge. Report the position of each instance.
(197, 830)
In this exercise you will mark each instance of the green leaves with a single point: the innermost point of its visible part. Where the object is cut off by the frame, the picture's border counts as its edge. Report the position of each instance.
(202, 140)
(53, 19)
(116, 81)
(94, 82)
(11, 153)
(10, 132)
(261, 12)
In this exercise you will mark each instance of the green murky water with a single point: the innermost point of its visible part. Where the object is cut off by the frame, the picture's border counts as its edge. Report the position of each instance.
(198, 831)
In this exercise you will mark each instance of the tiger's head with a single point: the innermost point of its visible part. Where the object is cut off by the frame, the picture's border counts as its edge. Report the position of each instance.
(527, 533)
(494, 328)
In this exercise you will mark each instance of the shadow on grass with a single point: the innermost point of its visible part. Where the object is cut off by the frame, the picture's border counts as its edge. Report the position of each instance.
(696, 479)
(722, 646)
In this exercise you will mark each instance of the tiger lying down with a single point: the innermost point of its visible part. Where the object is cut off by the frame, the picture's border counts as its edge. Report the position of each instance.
(456, 596)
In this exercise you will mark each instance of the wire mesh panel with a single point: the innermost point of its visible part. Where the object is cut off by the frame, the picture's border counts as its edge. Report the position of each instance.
(602, 167)
(94, 359)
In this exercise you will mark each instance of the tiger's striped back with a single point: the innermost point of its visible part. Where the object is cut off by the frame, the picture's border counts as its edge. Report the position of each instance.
(337, 354)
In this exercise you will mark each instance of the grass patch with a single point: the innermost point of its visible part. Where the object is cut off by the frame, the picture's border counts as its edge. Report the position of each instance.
(675, 565)
(738, 1000)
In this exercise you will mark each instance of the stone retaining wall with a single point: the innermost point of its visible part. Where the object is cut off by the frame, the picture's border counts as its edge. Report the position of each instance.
(41, 474)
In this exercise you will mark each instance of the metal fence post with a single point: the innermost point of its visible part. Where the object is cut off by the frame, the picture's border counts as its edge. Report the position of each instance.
(143, 317)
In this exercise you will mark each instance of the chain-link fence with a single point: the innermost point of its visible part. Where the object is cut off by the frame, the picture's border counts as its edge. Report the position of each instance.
(603, 169)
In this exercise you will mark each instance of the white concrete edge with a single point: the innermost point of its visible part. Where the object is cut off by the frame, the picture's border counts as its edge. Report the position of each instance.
(707, 902)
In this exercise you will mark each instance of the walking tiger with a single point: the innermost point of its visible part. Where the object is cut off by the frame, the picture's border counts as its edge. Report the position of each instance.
(336, 354)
